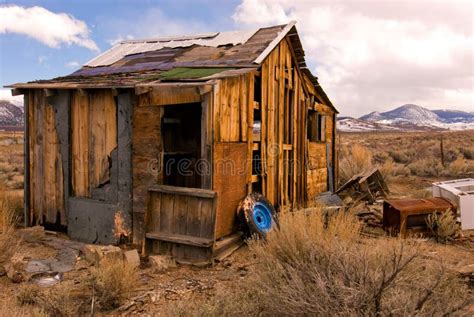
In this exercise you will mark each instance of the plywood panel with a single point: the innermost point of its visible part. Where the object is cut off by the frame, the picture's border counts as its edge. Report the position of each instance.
(230, 177)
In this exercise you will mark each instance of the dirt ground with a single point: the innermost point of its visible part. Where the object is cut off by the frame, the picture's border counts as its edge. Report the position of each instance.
(162, 294)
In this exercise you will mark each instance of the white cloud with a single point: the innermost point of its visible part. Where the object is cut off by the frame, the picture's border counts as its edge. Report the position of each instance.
(73, 64)
(374, 55)
(52, 29)
(6, 94)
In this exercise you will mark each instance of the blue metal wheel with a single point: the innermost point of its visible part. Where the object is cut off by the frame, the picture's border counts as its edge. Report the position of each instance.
(262, 216)
(257, 215)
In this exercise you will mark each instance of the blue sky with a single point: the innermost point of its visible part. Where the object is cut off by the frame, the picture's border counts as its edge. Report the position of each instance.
(368, 55)
(23, 58)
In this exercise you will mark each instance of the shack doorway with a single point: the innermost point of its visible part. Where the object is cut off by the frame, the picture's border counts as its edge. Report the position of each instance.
(181, 133)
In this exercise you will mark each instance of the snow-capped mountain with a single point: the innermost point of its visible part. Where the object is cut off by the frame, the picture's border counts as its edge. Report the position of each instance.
(407, 113)
(409, 117)
(10, 114)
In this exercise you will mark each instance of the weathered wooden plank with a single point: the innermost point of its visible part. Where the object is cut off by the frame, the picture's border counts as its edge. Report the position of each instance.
(193, 216)
(80, 127)
(180, 211)
(167, 212)
(26, 160)
(250, 120)
(160, 96)
(103, 129)
(195, 192)
(125, 103)
(208, 219)
(230, 183)
(182, 239)
(39, 155)
(206, 141)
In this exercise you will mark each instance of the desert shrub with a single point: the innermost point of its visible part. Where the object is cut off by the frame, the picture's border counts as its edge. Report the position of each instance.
(389, 169)
(354, 159)
(8, 220)
(27, 295)
(400, 157)
(459, 167)
(443, 226)
(426, 167)
(112, 282)
(316, 265)
(467, 152)
(54, 301)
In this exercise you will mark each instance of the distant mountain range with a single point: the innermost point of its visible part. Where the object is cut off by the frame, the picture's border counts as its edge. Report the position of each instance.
(11, 115)
(405, 118)
(409, 117)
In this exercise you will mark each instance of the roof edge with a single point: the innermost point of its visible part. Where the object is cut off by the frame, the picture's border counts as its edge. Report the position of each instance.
(274, 42)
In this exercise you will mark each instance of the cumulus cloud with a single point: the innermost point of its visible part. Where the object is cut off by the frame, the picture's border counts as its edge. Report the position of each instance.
(373, 55)
(51, 29)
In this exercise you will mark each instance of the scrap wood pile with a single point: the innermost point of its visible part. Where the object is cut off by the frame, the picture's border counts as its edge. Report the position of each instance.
(367, 186)
(364, 193)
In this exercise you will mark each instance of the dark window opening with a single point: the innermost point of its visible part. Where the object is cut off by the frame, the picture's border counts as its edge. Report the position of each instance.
(181, 132)
(257, 89)
(316, 129)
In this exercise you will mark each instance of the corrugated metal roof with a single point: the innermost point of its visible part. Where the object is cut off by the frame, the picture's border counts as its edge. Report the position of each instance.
(126, 48)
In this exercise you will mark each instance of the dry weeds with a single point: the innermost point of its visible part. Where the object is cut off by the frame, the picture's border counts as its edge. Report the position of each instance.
(443, 226)
(316, 265)
(404, 154)
(112, 283)
(354, 160)
(8, 220)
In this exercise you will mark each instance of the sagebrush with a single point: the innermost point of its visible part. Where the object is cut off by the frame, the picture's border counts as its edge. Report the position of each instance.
(319, 265)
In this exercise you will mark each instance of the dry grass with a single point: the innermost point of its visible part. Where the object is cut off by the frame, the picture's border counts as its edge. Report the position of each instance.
(316, 265)
(443, 226)
(112, 283)
(8, 220)
(52, 301)
(404, 154)
(354, 159)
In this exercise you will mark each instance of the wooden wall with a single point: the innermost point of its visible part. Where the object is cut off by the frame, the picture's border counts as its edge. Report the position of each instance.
(293, 169)
(318, 154)
(281, 79)
(46, 173)
(93, 138)
(230, 109)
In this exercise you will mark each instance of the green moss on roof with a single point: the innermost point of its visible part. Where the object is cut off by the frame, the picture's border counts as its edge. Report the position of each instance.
(190, 73)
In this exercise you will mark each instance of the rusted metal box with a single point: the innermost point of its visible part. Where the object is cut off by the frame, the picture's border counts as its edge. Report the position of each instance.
(400, 215)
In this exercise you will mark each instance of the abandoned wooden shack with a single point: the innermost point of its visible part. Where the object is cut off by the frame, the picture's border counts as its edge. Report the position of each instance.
(156, 141)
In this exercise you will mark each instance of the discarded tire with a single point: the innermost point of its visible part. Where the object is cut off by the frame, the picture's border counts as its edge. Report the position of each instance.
(257, 215)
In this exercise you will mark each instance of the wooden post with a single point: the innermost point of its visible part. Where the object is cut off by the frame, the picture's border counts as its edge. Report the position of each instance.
(26, 162)
(441, 149)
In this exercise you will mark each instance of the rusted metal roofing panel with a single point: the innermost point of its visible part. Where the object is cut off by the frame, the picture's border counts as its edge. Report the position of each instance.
(414, 206)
